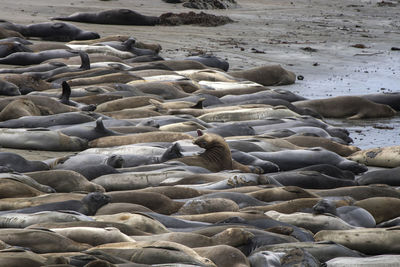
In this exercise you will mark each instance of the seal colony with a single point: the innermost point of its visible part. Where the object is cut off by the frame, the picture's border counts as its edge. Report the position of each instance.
(180, 161)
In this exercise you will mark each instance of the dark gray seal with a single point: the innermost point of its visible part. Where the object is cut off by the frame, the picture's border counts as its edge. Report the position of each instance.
(57, 31)
(310, 180)
(28, 58)
(20, 164)
(8, 89)
(353, 215)
(114, 16)
(89, 132)
(247, 159)
(210, 61)
(294, 159)
(47, 121)
(388, 176)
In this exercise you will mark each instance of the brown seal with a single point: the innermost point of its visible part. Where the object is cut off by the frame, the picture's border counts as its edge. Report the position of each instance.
(350, 107)
(266, 75)
(216, 157)
(381, 207)
(313, 141)
(232, 256)
(19, 108)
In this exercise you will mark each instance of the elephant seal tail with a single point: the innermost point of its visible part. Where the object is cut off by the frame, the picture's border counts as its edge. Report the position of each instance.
(85, 61)
(66, 93)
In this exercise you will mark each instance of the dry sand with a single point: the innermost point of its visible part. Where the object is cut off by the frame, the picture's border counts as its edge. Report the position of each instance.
(272, 32)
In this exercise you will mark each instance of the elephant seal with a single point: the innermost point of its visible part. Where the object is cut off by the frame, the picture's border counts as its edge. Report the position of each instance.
(20, 164)
(40, 140)
(138, 138)
(313, 141)
(65, 181)
(388, 260)
(89, 133)
(322, 251)
(353, 215)
(216, 157)
(7, 48)
(157, 252)
(58, 31)
(29, 58)
(266, 75)
(93, 236)
(232, 256)
(309, 180)
(154, 201)
(21, 220)
(387, 98)
(360, 192)
(380, 207)
(211, 61)
(380, 157)
(19, 108)
(40, 241)
(295, 159)
(8, 89)
(199, 206)
(281, 194)
(388, 176)
(114, 16)
(13, 189)
(296, 256)
(311, 222)
(141, 222)
(350, 107)
(373, 241)
(28, 181)
(114, 208)
(88, 205)
(49, 120)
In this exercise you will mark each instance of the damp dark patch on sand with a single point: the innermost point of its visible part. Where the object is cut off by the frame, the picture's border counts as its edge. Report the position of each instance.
(202, 19)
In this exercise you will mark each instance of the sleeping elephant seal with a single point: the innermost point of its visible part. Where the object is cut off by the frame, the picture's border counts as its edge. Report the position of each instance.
(57, 31)
(266, 75)
(19, 108)
(216, 157)
(351, 214)
(231, 256)
(88, 205)
(93, 236)
(40, 241)
(388, 176)
(65, 181)
(388, 157)
(380, 207)
(294, 159)
(9, 89)
(311, 222)
(110, 141)
(114, 16)
(13, 189)
(350, 107)
(20, 164)
(372, 241)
